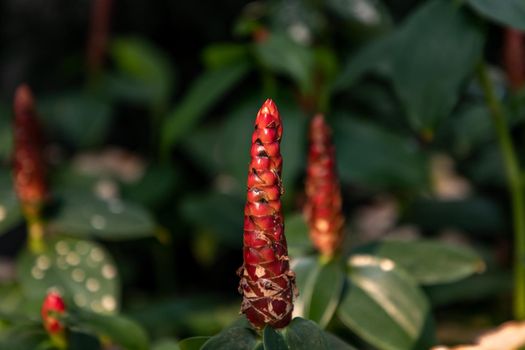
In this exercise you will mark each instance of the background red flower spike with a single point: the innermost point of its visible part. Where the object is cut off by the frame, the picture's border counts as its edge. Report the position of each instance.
(267, 283)
(52, 310)
(29, 166)
(323, 207)
(514, 57)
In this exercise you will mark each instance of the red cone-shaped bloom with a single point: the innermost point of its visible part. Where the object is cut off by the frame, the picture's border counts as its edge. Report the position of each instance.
(29, 167)
(514, 57)
(267, 283)
(323, 208)
(53, 309)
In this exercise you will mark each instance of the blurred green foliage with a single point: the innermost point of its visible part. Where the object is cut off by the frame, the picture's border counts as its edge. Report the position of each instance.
(148, 158)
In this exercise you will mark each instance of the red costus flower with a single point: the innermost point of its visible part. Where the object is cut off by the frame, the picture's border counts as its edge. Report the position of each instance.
(29, 167)
(323, 207)
(53, 309)
(267, 283)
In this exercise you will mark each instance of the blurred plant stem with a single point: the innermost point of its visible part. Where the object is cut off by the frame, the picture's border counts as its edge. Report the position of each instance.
(515, 186)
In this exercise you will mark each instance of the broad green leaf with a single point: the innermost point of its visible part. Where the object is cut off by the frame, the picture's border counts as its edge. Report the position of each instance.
(144, 71)
(320, 285)
(372, 57)
(194, 343)
(282, 55)
(30, 336)
(273, 339)
(204, 92)
(119, 329)
(10, 213)
(224, 54)
(234, 338)
(381, 296)
(197, 314)
(418, 55)
(375, 157)
(508, 12)
(360, 18)
(155, 186)
(216, 213)
(84, 215)
(471, 214)
(485, 286)
(78, 118)
(334, 343)
(297, 234)
(11, 300)
(303, 334)
(438, 33)
(83, 271)
(428, 262)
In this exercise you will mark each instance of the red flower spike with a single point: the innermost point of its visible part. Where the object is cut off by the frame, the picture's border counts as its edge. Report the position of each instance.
(29, 167)
(267, 283)
(514, 57)
(323, 207)
(53, 309)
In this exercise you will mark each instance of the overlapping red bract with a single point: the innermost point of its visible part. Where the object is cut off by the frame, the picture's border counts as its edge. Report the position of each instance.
(267, 283)
(323, 208)
(29, 167)
(52, 309)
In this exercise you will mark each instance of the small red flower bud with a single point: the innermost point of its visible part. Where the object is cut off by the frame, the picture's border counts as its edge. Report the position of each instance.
(323, 207)
(514, 57)
(53, 309)
(267, 283)
(29, 167)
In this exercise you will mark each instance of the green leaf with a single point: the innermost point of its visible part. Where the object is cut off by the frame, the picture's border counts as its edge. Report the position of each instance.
(440, 32)
(508, 12)
(371, 156)
(372, 57)
(297, 235)
(204, 92)
(334, 343)
(475, 214)
(143, 70)
(234, 338)
(83, 215)
(273, 339)
(80, 119)
(11, 300)
(303, 334)
(82, 271)
(486, 286)
(320, 285)
(119, 329)
(428, 262)
(381, 296)
(418, 55)
(281, 54)
(360, 18)
(10, 213)
(224, 54)
(29, 336)
(194, 343)
(216, 213)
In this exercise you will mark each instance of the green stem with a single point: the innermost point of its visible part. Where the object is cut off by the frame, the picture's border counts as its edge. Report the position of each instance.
(515, 187)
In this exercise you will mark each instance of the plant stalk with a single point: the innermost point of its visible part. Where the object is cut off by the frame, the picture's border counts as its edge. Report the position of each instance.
(515, 187)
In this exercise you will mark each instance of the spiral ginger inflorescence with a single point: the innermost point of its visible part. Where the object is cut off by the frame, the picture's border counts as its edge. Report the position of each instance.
(267, 283)
(323, 208)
